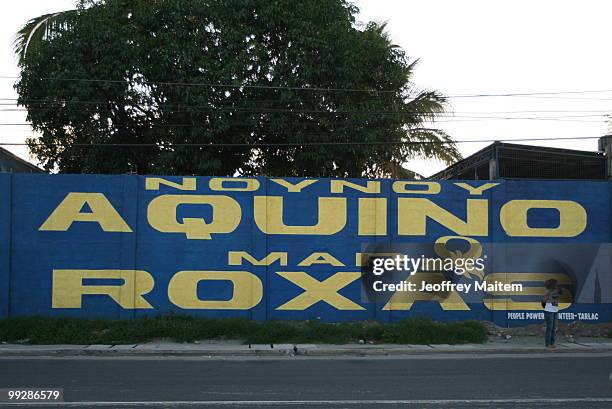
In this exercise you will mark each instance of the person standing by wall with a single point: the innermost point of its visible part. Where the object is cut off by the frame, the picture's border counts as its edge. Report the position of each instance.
(550, 302)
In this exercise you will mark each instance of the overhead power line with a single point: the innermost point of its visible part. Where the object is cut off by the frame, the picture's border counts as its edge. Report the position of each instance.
(529, 94)
(212, 85)
(259, 105)
(299, 144)
(262, 108)
(318, 89)
(442, 115)
(604, 111)
(268, 110)
(440, 119)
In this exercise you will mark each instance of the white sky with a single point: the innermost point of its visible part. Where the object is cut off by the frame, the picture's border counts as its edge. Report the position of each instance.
(464, 47)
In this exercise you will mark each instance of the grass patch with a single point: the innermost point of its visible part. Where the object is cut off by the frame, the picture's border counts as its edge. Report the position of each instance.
(41, 330)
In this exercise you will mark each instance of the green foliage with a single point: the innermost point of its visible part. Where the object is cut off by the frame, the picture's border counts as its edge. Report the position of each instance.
(222, 71)
(183, 328)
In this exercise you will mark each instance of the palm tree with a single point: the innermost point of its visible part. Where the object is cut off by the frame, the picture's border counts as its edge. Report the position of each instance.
(39, 29)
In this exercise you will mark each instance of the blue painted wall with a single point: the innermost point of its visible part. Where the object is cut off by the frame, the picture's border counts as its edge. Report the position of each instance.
(29, 255)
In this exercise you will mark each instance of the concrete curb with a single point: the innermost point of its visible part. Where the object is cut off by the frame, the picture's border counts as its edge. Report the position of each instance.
(195, 350)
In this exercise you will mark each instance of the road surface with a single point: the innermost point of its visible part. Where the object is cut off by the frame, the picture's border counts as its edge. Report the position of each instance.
(452, 381)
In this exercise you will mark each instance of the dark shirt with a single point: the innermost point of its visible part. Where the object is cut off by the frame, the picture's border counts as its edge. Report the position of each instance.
(552, 296)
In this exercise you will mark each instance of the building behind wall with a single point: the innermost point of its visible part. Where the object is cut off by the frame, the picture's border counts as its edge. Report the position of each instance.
(516, 161)
(10, 163)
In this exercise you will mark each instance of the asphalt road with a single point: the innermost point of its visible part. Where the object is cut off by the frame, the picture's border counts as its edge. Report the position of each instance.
(465, 381)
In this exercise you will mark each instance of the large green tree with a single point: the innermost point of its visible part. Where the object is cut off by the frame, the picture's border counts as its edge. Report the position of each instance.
(223, 87)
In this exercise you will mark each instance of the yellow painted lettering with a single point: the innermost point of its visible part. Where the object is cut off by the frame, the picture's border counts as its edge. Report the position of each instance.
(247, 290)
(432, 188)
(320, 258)
(154, 183)
(315, 291)
(70, 211)
(572, 218)
(297, 187)
(68, 288)
(372, 216)
(414, 212)
(372, 186)
(476, 190)
(269, 216)
(226, 212)
(506, 300)
(237, 258)
(249, 185)
(448, 300)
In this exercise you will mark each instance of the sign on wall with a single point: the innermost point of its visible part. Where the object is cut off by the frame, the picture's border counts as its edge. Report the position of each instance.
(285, 248)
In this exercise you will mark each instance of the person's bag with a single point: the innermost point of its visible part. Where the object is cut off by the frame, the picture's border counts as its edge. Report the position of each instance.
(543, 304)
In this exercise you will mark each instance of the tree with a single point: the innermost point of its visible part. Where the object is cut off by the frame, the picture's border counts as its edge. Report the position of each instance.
(223, 87)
